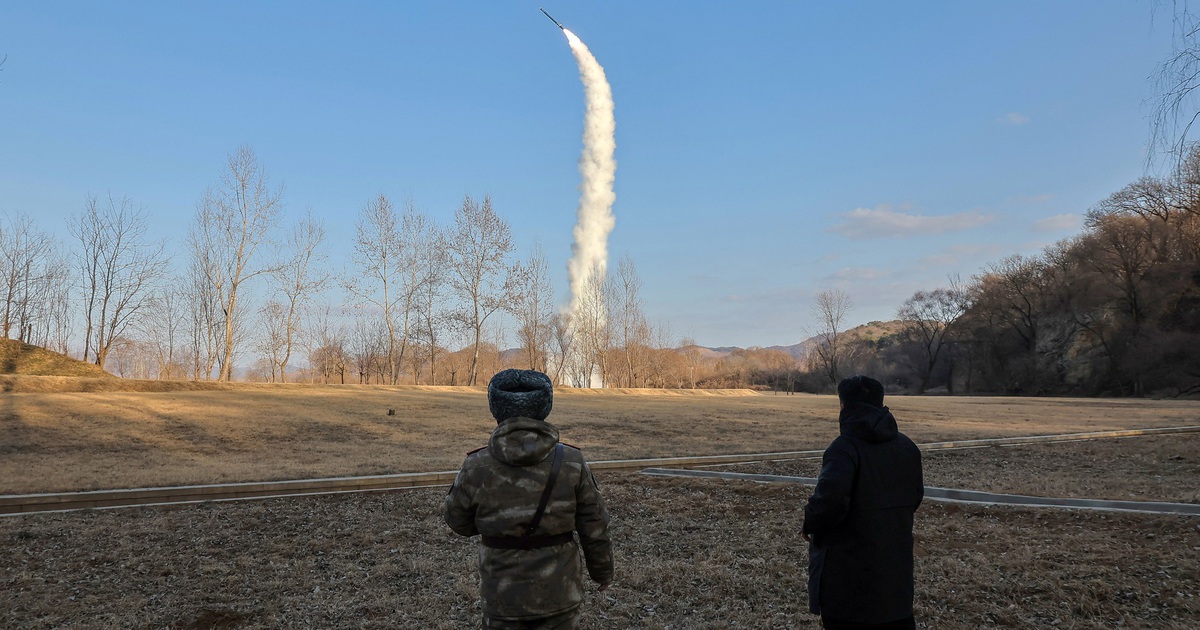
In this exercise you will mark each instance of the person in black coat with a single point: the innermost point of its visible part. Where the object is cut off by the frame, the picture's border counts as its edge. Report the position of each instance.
(859, 519)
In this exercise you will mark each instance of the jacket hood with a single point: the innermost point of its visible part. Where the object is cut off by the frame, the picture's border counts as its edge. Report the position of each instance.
(522, 441)
(868, 422)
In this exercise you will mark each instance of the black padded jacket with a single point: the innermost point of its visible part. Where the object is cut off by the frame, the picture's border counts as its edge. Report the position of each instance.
(860, 518)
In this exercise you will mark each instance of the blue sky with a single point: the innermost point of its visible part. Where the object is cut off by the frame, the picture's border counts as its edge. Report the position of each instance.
(764, 153)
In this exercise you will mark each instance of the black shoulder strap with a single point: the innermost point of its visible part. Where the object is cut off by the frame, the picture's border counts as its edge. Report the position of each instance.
(541, 508)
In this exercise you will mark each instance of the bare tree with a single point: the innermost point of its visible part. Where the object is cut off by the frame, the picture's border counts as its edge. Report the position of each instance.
(661, 362)
(203, 306)
(35, 282)
(927, 318)
(1022, 289)
(1010, 303)
(131, 358)
(163, 328)
(297, 279)
(532, 306)
(118, 267)
(88, 228)
(58, 322)
(233, 221)
(391, 273)
(422, 261)
(329, 360)
(830, 310)
(29, 268)
(273, 340)
(592, 332)
(430, 312)
(478, 246)
(630, 320)
(376, 248)
(563, 337)
(328, 355)
(44, 317)
(367, 349)
(692, 357)
(1135, 278)
(1178, 78)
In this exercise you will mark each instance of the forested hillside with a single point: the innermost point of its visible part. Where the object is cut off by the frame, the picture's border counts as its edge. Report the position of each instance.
(1114, 310)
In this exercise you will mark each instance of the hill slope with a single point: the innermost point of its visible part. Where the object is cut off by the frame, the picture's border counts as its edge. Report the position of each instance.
(21, 358)
(872, 331)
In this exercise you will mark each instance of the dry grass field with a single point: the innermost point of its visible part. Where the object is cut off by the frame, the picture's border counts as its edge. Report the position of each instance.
(113, 435)
(692, 553)
(1149, 468)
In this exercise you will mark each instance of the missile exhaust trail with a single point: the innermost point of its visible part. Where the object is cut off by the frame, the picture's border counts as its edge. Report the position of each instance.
(597, 169)
(556, 23)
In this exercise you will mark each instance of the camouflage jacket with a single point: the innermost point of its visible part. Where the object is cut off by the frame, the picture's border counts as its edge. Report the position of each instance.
(497, 492)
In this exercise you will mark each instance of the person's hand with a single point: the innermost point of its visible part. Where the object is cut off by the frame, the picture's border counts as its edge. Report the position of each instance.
(805, 536)
(603, 587)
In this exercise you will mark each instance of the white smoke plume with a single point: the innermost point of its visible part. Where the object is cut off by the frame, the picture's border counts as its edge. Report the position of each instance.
(597, 169)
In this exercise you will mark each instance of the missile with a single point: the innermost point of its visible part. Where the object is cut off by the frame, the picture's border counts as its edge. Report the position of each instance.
(552, 19)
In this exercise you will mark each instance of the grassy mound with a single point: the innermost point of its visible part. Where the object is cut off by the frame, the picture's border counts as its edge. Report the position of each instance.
(23, 359)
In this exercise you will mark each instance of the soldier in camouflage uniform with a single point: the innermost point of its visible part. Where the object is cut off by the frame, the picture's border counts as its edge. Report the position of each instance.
(529, 566)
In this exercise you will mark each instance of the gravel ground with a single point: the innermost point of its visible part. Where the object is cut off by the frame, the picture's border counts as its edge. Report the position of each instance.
(691, 554)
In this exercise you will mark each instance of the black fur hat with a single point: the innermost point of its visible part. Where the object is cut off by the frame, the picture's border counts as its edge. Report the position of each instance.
(523, 393)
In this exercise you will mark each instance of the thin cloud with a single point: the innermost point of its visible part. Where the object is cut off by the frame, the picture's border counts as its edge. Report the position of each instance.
(941, 260)
(1013, 118)
(955, 255)
(1057, 223)
(860, 274)
(883, 222)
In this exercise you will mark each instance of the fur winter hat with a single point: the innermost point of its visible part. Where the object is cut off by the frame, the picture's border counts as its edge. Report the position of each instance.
(520, 393)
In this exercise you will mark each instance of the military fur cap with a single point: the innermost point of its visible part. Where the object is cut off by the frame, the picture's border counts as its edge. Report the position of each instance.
(520, 393)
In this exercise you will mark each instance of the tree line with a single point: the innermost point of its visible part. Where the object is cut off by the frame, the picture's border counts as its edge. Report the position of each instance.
(245, 301)
(1113, 310)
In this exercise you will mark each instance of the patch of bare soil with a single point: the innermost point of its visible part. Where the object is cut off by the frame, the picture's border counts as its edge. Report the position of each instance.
(1148, 468)
(690, 553)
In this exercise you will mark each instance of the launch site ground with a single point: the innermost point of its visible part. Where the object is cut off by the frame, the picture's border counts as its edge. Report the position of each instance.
(691, 553)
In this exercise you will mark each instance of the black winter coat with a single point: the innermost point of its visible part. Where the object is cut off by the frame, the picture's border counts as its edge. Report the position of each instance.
(860, 518)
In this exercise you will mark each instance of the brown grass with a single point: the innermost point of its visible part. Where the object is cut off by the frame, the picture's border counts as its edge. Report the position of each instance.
(78, 440)
(23, 359)
(691, 554)
(1149, 468)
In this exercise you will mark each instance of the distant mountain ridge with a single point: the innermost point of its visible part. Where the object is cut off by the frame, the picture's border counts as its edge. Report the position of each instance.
(799, 351)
